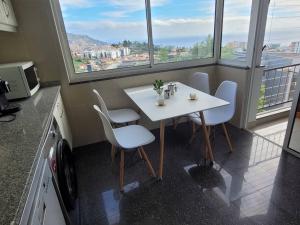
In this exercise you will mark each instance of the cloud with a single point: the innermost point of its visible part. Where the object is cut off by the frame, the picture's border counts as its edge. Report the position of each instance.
(75, 3)
(111, 30)
(236, 22)
(124, 7)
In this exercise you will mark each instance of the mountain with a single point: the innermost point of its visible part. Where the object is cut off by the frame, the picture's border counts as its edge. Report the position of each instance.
(84, 41)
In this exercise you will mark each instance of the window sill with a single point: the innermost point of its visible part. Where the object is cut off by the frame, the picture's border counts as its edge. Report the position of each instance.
(159, 68)
(233, 66)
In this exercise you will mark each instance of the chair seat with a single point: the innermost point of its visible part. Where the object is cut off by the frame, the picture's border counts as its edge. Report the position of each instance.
(212, 117)
(133, 136)
(123, 115)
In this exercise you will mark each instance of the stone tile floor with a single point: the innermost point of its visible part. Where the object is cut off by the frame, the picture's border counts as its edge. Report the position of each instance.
(257, 184)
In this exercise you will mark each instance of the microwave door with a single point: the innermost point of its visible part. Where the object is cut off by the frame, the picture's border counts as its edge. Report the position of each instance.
(32, 79)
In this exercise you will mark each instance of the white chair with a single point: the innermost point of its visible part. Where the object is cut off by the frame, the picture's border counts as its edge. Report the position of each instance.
(226, 91)
(117, 116)
(199, 81)
(127, 138)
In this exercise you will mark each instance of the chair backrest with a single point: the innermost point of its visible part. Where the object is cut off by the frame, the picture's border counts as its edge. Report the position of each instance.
(228, 91)
(102, 104)
(108, 130)
(199, 81)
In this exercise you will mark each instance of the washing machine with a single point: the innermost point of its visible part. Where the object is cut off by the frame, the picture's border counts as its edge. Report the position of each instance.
(61, 161)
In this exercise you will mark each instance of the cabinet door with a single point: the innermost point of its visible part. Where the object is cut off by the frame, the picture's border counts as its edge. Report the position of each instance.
(9, 14)
(47, 210)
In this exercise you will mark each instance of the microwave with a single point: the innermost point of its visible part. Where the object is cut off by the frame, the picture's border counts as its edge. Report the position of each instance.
(22, 79)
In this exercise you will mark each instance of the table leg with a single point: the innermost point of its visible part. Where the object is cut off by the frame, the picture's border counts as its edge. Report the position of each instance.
(206, 136)
(162, 148)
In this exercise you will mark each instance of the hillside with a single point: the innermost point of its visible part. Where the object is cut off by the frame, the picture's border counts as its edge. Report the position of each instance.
(84, 41)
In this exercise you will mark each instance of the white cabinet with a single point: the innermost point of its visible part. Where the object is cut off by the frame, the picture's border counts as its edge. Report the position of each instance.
(8, 20)
(47, 209)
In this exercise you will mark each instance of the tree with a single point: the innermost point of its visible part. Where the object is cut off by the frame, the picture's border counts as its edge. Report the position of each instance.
(261, 100)
(126, 43)
(163, 54)
(227, 52)
(204, 48)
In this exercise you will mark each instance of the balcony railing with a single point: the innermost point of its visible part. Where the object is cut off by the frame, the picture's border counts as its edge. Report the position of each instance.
(278, 87)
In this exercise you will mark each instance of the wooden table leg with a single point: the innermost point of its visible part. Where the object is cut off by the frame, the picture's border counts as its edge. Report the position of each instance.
(206, 136)
(162, 148)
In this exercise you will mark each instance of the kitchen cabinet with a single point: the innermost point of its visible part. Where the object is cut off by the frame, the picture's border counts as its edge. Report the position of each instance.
(47, 210)
(8, 20)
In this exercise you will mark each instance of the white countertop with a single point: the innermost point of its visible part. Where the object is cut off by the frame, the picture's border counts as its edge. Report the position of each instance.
(178, 104)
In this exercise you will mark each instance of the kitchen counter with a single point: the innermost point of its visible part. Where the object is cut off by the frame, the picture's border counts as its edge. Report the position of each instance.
(20, 148)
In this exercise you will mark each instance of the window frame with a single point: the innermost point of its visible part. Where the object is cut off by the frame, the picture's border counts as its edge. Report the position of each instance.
(250, 42)
(74, 77)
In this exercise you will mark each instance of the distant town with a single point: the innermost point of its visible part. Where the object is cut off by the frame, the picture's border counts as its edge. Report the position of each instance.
(93, 55)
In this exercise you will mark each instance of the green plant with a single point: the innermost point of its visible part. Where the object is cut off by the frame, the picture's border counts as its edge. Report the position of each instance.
(158, 86)
(261, 100)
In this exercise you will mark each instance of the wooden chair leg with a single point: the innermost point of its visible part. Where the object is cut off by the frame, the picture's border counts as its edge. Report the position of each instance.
(113, 153)
(206, 147)
(151, 170)
(122, 171)
(194, 132)
(140, 154)
(227, 137)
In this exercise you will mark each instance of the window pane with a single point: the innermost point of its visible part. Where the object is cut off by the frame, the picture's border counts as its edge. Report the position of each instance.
(236, 23)
(282, 38)
(182, 30)
(106, 35)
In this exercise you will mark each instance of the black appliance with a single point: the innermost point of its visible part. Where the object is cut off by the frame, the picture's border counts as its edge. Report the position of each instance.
(5, 107)
(62, 166)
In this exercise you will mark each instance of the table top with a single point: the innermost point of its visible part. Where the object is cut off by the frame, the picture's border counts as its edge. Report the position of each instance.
(178, 104)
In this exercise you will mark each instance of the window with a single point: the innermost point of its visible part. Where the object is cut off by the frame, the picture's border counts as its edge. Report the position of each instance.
(183, 30)
(282, 38)
(236, 23)
(105, 35)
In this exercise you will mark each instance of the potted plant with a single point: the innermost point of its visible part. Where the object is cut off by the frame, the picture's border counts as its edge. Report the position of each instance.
(158, 87)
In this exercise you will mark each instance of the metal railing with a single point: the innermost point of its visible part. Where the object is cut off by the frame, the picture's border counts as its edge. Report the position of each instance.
(277, 87)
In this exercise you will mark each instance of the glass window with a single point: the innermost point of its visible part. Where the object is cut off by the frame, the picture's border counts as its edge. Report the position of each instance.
(282, 37)
(105, 35)
(236, 24)
(182, 30)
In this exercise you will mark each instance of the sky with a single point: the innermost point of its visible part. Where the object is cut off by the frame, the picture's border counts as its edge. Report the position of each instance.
(116, 20)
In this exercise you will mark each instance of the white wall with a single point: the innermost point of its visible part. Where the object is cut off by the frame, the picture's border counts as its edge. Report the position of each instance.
(37, 40)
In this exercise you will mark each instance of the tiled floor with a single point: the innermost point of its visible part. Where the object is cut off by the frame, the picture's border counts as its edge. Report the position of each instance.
(273, 131)
(257, 184)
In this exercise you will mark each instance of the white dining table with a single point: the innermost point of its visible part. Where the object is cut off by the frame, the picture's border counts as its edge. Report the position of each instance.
(177, 105)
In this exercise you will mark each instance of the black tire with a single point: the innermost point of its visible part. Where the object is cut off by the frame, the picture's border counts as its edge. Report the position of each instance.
(66, 174)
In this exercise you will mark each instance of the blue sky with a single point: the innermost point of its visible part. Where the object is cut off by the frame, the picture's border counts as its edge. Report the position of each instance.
(90, 10)
(116, 20)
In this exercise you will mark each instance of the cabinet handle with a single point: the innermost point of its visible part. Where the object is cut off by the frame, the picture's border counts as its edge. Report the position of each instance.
(5, 6)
